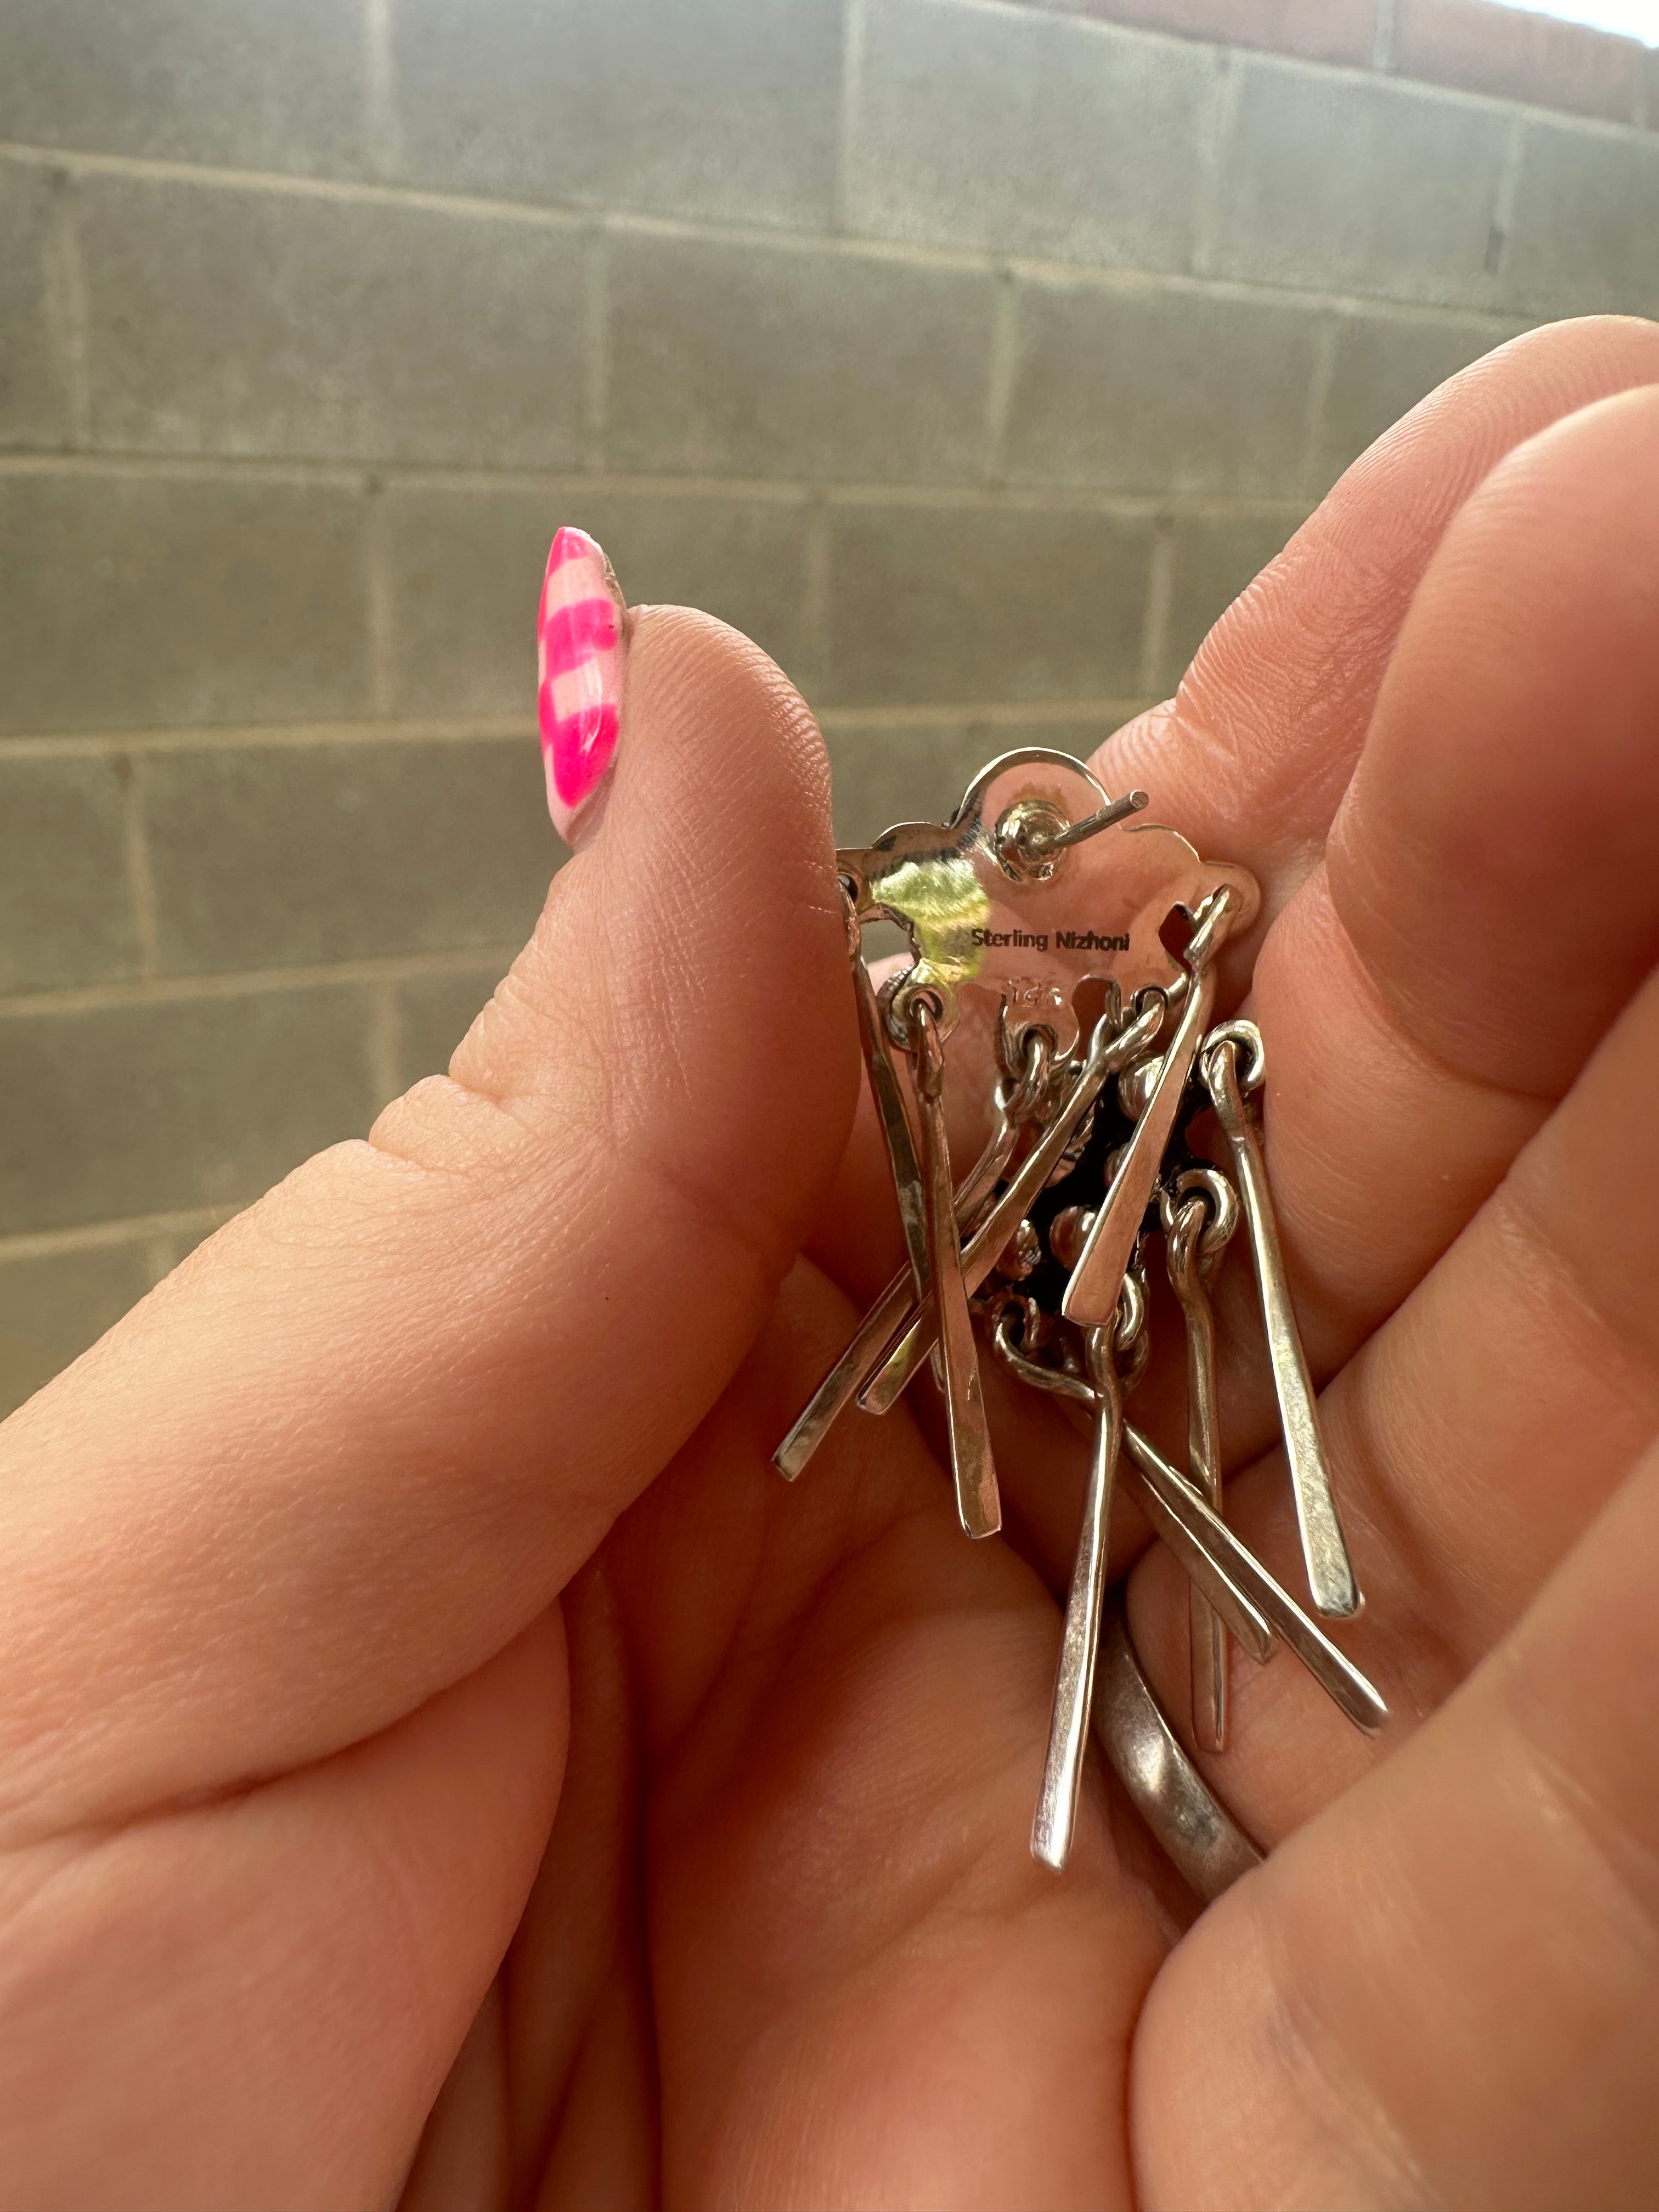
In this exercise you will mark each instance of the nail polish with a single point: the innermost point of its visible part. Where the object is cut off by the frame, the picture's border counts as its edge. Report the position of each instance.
(580, 639)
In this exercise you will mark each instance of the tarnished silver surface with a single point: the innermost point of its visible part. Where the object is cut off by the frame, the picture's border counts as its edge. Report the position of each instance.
(1330, 1573)
(978, 1507)
(1055, 1823)
(876, 1330)
(1066, 1234)
(1115, 1358)
(1021, 1255)
(1029, 917)
(1039, 886)
(1107, 1053)
(1194, 1830)
(888, 1094)
(1187, 1536)
(1090, 1296)
(1335, 1673)
(1200, 1215)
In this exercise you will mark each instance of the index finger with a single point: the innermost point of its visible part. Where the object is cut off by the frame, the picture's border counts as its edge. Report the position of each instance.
(1252, 756)
(1251, 759)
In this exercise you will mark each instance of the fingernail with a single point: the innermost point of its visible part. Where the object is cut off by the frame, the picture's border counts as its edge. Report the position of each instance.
(580, 641)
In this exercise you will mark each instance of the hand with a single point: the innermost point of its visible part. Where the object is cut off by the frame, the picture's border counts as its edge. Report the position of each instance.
(409, 1649)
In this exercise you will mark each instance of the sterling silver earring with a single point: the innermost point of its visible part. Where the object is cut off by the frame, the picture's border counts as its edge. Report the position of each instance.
(1047, 895)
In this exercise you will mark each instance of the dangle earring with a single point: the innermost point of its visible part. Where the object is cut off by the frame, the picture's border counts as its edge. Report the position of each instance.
(1199, 1213)
(1039, 886)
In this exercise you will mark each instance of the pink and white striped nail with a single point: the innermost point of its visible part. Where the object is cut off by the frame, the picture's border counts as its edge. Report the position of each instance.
(580, 641)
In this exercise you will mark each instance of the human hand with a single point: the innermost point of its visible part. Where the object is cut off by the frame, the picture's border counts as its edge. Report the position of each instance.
(290, 1673)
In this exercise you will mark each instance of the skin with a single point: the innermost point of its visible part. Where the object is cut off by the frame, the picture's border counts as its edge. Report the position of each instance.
(441, 1764)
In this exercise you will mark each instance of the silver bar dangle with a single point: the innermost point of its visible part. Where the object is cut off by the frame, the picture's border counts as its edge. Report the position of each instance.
(1014, 1109)
(1200, 1215)
(1178, 1528)
(1090, 1299)
(1336, 1674)
(978, 1506)
(1330, 1571)
(1054, 1826)
(889, 1097)
(1109, 1054)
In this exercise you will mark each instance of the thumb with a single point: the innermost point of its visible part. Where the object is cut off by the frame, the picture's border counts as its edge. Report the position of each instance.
(368, 1431)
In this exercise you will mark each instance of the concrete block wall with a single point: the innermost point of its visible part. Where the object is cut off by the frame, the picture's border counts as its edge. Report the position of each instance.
(970, 357)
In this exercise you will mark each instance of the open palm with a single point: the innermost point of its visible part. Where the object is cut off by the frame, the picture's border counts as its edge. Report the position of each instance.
(287, 1817)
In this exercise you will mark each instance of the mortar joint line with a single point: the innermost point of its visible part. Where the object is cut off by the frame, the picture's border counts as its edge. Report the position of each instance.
(1160, 600)
(1320, 381)
(385, 1042)
(1002, 368)
(1503, 203)
(1067, 497)
(855, 30)
(818, 608)
(114, 1232)
(1215, 145)
(596, 305)
(380, 604)
(1383, 30)
(161, 1256)
(382, 121)
(707, 230)
(141, 875)
(220, 738)
(181, 989)
(66, 285)
(1006, 714)
(107, 745)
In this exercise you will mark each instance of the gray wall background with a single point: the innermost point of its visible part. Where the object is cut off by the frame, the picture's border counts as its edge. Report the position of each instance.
(969, 356)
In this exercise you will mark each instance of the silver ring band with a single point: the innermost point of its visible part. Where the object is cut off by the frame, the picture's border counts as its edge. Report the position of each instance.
(1194, 1830)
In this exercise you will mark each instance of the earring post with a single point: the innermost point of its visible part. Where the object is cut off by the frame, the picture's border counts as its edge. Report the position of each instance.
(1042, 842)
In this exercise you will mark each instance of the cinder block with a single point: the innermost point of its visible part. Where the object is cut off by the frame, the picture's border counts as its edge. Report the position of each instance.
(946, 606)
(977, 126)
(1357, 186)
(53, 1305)
(764, 361)
(464, 570)
(65, 909)
(237, 83)
(1216, 556)
(127, 602)
(1586, 230)
(1489, 45)
(725, 108)
(1383, 366)
(467, 567)
(151, 1107)
(1146, 389)
(1320, 30)
(33, 388)
(880, 776)
(241, 322)
(283, 855)
(434, 1012)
